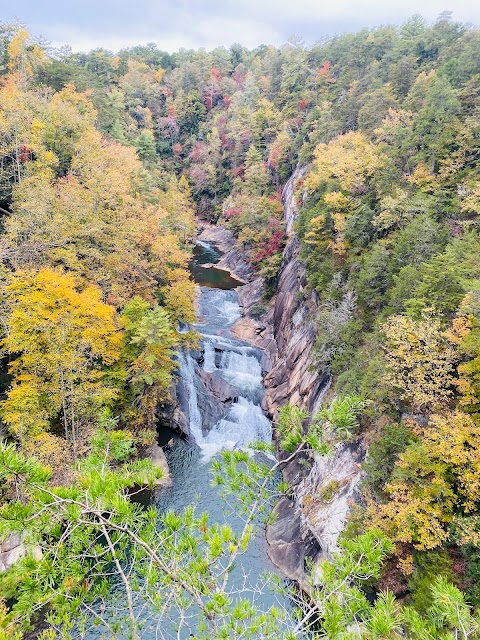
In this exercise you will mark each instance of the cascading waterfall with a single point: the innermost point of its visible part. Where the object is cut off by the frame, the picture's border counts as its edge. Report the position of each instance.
(226, 360)
(208, 356)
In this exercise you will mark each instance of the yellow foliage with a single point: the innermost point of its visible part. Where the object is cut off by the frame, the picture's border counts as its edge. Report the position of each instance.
(436, 482)
(52, 451)
(393, 210)
(159, 73)
(60, 338)
(470, 194)
(465, 333)
(423, 178)
(341, 207)
(23, 55)
(179, 299)
(349, 161)
(419, 361)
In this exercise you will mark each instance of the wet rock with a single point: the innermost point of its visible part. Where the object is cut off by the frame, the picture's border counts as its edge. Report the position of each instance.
(156, 454)
(217, 387)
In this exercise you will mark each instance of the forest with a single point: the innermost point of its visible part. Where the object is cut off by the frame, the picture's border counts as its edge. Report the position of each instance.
(106, 161)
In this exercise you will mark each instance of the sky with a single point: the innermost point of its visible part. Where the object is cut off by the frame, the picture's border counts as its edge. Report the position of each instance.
(173, 24)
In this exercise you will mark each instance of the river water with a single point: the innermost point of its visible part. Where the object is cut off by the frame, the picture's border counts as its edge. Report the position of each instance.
(230, 418)
(228, 363)
(235, 367)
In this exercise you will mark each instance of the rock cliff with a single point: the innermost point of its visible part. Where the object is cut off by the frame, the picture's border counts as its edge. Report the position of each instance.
(308, 523)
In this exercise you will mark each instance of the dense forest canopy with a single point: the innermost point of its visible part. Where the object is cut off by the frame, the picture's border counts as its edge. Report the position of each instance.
(104, 158)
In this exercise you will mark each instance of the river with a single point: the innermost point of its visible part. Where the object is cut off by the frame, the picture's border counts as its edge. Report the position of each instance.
(233, 369)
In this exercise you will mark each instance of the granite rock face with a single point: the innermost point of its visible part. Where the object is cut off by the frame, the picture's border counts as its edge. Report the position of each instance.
(308, 523)
(294, 377)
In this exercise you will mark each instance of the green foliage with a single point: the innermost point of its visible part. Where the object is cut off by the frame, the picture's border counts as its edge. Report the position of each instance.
(294, 432)
(429, 566)
(290, 427)
(342, 415)
(383, 453)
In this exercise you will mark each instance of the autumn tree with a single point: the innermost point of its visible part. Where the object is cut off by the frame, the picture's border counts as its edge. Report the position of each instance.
(60, 337)
(420, 361)
(348, 162)
(435, 484)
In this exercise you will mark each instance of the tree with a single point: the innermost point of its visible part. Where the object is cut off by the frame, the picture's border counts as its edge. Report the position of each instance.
(60, 337)
(256, 179)
(182, 571)
(419, 361)
(435, 484)
(347, 162)
(146, 147)
(150, 345)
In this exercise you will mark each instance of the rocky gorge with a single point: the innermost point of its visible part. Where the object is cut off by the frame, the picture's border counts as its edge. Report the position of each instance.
(310, 519)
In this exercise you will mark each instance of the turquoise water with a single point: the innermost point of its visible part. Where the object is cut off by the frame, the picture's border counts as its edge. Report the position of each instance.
(205, 253)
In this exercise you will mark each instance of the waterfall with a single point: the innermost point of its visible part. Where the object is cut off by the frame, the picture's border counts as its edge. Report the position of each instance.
(238, 365)
(241, 370)
(208, 356)
(188, 373)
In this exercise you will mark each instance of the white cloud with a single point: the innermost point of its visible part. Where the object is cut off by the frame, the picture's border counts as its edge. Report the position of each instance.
(172, 24)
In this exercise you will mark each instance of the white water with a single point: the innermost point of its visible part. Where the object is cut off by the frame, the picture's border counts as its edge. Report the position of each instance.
(209, 356)
(236, 363)
(241, 370)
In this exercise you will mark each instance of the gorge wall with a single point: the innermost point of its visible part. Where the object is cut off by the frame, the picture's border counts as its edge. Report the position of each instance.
(309, 521)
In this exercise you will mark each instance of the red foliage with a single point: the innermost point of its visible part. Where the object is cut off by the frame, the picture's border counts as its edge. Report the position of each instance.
(238, 172)
(171, 111)
(215, 74)
(227, 143)
(239, 76)
(177, 149)
(199, 178)
(272, 246)
(232, 212)
(24, 154)
(199, 152)
(227, 101)
(302, 105)
(246, 138)
(324, 72)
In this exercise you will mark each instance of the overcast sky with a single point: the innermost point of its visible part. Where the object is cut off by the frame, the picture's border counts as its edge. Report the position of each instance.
(172, 24)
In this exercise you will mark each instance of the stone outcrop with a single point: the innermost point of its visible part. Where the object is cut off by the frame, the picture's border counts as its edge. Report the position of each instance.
(156, 454)
(294, 377)
(325, 496)
(13, 548)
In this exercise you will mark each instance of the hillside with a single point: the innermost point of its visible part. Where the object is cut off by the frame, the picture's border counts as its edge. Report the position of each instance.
(365, 301)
